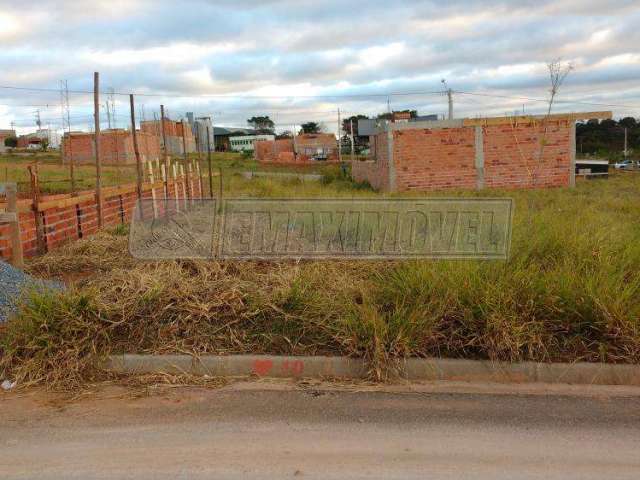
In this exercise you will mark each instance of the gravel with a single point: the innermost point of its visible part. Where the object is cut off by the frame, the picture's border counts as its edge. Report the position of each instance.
(12, 282)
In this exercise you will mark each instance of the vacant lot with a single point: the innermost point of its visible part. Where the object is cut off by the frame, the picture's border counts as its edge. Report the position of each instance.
(570, 291)
(54, 177)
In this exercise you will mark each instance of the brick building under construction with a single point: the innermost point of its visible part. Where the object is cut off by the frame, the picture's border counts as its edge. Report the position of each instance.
(301, 149)
(116, 147)
(473, 153)
(178, 135)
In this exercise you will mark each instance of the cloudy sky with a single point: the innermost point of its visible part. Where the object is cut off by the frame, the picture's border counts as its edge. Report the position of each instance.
(299, 61)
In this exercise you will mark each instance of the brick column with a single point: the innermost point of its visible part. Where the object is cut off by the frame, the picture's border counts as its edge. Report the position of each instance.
(572, 154)
(479, 160)
(390, 159)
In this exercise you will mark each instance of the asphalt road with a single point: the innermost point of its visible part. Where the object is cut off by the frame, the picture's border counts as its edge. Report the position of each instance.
(250, 433)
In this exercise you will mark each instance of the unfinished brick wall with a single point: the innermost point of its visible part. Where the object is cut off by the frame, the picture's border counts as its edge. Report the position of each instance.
(376, 170)
(434, 159)
(66, 218)
(154, 127)
(274, 151)
(116, 147)
(298, 151)
(505, 146)
(311, 144)
(468, 154)
(173, 132)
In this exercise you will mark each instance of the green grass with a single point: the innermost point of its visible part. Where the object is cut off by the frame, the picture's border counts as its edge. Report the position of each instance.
(569, 292)
(54, 177)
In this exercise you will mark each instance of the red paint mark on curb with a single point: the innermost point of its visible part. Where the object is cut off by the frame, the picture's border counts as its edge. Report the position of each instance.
(262, 367)
(295, 367)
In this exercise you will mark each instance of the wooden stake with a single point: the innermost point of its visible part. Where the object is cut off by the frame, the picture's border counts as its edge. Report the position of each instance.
(197, 163)
(96, 118)
(153, 190)
(200, 179)
(184, 184)
(35, 195)
(190, 193)
(175, 186)
(137, 153)
(210, 166)
(163, 176)
(165, 153)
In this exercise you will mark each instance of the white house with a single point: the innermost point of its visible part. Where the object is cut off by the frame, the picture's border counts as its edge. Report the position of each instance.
(246, 142)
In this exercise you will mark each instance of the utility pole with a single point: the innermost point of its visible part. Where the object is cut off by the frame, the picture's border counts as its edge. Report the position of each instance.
(339, 138)
(96, 119)
(293, 133)
(136, 150)
(626, 152)
(112, 108)
(166, 156)
(184, 141)
(352, 139)
(108, 109)
(66, 122)
(449, 94)
(209, 162)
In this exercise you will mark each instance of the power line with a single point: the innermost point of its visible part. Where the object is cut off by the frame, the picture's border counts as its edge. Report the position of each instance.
(513, 97)
(224, 95)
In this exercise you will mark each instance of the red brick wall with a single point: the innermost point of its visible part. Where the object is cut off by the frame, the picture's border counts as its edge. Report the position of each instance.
(274, 151)
(511, 155)
(116, 147)
(282, 151)
(173, 132)
(24, 141)
(434, 159)
(63, 224)
(153, 127)
(440, 158)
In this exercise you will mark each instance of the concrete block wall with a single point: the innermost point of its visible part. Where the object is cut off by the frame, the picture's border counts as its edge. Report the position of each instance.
(452, 154)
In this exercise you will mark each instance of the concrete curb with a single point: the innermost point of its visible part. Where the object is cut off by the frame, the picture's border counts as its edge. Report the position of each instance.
(354, 368)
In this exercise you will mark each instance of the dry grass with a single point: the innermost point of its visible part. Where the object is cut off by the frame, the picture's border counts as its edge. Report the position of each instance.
(570, 292)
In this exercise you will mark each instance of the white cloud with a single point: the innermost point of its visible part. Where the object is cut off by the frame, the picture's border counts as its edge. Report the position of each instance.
(276, 48)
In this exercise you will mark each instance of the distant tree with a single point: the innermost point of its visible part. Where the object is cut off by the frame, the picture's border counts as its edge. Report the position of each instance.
(628, 122)
(311, 127)
(44, 144)
(11, 142)
(263, 125)
(606, 138)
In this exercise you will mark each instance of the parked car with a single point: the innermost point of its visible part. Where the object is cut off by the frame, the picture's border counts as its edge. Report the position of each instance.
(624, 164)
